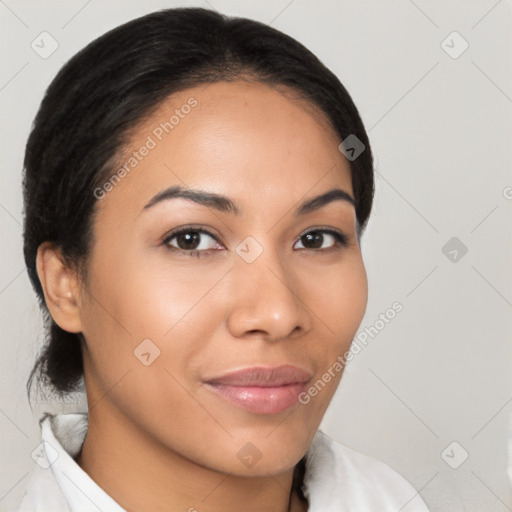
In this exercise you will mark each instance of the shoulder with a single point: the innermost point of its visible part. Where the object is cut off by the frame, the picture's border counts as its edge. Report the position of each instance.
(61, 438)
(42, 493)
(340, 478)
(57, 482)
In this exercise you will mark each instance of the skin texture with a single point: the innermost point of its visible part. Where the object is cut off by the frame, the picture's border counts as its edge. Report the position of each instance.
(158, 438)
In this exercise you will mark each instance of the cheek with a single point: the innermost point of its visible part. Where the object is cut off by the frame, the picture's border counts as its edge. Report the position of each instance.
(130, 302)
(337, 297)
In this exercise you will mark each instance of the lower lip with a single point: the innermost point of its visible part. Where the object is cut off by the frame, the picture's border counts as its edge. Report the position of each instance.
(260, 400)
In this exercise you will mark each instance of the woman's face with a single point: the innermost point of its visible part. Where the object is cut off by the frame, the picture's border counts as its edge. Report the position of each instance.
(167, 317)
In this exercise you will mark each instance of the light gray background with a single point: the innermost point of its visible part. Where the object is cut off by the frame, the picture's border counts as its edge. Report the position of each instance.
(440, 129)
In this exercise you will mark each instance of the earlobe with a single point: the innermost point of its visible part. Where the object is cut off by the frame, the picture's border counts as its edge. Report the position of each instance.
(60, 288)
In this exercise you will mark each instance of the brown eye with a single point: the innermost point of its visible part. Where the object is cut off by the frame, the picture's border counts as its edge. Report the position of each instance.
(188, 241)
(322, 239)
(312, 240)
(197, 240)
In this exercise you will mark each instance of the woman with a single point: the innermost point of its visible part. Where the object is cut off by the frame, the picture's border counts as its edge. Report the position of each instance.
(196, 187)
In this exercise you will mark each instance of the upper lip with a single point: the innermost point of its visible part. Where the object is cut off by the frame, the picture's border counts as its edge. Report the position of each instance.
(263, 376)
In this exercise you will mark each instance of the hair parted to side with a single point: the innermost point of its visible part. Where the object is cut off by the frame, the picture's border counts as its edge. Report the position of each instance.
(110, 87)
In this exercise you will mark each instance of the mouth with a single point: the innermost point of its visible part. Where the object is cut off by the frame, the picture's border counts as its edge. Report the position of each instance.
(262, 389)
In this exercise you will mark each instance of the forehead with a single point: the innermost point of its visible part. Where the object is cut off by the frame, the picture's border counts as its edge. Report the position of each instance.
(233, 138)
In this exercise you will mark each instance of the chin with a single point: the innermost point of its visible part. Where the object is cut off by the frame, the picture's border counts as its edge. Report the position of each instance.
(270, 451)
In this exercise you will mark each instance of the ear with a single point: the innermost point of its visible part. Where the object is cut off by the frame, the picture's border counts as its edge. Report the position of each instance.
(60, 287)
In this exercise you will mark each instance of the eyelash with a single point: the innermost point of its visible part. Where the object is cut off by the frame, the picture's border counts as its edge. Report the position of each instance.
(340, 238)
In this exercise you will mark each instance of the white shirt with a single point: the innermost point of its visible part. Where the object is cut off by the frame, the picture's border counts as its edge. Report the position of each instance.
(337, 478)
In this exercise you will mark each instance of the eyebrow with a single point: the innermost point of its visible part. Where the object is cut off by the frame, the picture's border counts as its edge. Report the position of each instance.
(225, 204)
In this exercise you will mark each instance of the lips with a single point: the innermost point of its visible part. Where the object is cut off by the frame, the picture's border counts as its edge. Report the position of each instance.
(260, 389)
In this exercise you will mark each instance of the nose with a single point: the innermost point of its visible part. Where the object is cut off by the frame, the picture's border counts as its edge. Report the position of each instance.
(267, 300)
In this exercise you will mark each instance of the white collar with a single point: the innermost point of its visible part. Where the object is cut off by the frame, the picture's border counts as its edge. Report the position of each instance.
(337, 478)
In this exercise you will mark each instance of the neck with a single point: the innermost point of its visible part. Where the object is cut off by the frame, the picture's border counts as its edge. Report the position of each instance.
(141, 474)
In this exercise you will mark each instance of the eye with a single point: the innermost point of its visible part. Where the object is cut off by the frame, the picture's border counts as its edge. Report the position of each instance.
(322, 239)
(199, 242)
(191, 241)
